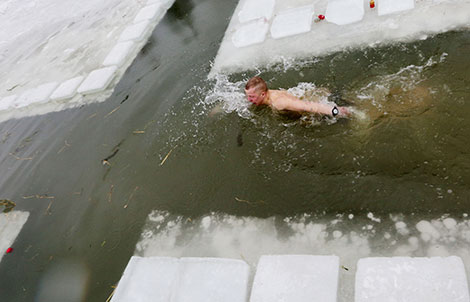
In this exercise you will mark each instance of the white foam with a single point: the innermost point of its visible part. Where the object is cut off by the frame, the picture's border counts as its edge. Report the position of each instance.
(386, 7)
(296, 278)
(411, 279)
(292, 22)
(428, 230)
(250, 33)
(256, 9)
(147, 279)
(212, 280)
(135, 31)
(67, 89)
(7, 102)
(10, 226)
(150, 12)
(342, 12)
(38, 95)
(97, 80)
(118, 55)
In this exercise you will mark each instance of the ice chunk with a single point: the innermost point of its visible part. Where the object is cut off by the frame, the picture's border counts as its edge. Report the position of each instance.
(67, 89)
(292, 22)
(296, 278)
(7, 102)
(212, 280)
(119, 53)
(250, 33)
(425, 227)
(386, 7)
(97, 80)
(150, 12)
(36, 95)
(135, 32)
(343, 12)
(10, 226)
(411, 279)
(256, 9)
(149, 279)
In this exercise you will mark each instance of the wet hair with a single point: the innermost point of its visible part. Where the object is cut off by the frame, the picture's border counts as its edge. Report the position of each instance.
(258, 83)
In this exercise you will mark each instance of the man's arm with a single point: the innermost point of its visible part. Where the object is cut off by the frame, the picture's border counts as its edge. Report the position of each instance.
(294, 104)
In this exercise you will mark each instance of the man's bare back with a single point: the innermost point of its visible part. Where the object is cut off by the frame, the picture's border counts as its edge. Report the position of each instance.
(257, 93)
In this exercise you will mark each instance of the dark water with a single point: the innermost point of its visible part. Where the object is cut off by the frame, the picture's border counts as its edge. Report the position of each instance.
(410, 155)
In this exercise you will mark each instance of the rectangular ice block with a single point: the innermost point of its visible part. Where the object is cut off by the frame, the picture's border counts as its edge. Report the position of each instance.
(149, 279)
(118, 55)
(212, 280)
(256, 9)
(296, 278)
(342, 12)
(7, 102)
(386, 7)
(292, 22)
(409, 279)
(250, 33)
(67, 89)
(97, 80)
(150, 12)
(36, 95)
(135, 31)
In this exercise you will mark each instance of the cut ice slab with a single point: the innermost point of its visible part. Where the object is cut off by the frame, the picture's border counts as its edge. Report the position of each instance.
(135, 32)
(150, 12)
(119, 54)
(212, 280)
(256, 9)
(411, 279)
(342, 12)
(147, 279)
(250, 33)
(292, 22)
(296, 278)
(386, 7)
(67, 89)
(7, 102)
(98, 80)
(36, 95)
(10, 226)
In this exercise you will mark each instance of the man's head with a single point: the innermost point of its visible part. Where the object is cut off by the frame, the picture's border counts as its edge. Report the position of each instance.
(256, 90)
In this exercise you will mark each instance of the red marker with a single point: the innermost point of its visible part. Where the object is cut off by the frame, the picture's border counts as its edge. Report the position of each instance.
(9, 250)
(321, 17)
(372, 4)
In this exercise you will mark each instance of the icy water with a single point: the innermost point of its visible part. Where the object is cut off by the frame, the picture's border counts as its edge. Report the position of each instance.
(175, 164)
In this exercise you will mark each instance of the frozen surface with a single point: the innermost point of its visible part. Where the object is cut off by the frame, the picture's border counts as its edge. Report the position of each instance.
(187, 279)
(427, 18)
(250, 33)
(7, 101)
(10, 226)
(37, 95)
(296, 278)
(292, 22)
(67, 89)
(135, 32)
(150, 12)
(342, 12)
(118, 55)
(147, 279)
(212, 280)
(256, 9)
(411, 279)
(97, 80)
(386, 7)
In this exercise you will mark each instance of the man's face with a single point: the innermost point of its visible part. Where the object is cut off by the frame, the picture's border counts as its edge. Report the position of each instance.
(254, 96)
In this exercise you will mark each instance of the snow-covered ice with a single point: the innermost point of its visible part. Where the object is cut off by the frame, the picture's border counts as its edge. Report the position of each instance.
(38, 95)
(342, 12)
(435, 279)
(97, 80)
(10, 226)
(150, 12)
(385, 7)
(296, 278)
(7, 102)
(250, 33)
(292, 22)
(135, 31)
(256, 9)
(67, 89)
(119, 53)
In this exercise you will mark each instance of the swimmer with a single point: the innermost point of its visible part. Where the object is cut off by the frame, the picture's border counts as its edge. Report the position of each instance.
(257, 93)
